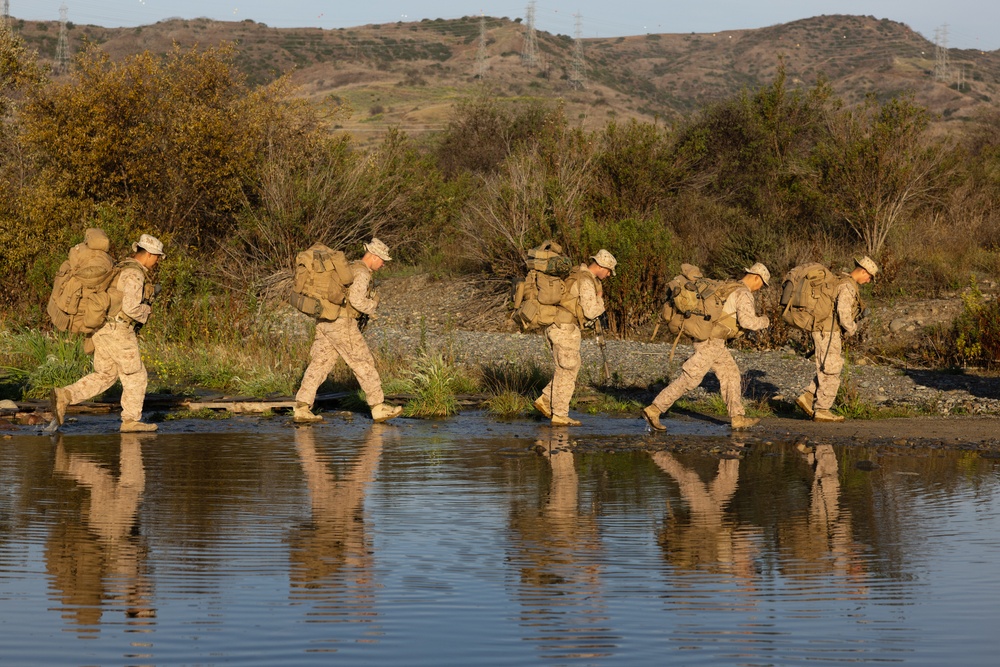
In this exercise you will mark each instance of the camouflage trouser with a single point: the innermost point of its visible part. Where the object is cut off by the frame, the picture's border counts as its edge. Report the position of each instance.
(709, 355)
(334, 340)
(564, 339)
(116, 357)
(829, 363)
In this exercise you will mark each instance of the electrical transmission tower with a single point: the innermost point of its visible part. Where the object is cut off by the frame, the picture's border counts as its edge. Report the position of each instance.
(942, 71)
(529, 52)
(481, 53)
(577, 77)
(62, 46)
(5, 20)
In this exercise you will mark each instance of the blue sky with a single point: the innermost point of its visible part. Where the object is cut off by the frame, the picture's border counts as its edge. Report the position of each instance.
(972, 24)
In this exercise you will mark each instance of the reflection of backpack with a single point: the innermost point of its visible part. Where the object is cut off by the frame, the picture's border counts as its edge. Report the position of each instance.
(808, 296)
(695, 304)
(538, 295)
(79, 301)
(322, 277)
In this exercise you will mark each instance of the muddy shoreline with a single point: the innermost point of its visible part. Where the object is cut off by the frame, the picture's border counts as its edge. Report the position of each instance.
(687, 431)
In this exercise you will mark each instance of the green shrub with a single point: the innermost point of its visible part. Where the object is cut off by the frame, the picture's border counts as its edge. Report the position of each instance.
(434, 380)
(647, 258)
(42, 361)
(976, 331)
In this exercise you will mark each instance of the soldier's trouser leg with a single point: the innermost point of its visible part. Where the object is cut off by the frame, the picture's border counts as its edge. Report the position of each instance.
(116, 356)
(692, 373)
(352, 346)
(730, 382)
(564, 339)
(829, 363)
(322, 357)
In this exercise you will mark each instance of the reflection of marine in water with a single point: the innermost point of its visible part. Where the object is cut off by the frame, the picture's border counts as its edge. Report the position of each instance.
(331, 558)
(706, 537)
(559, 556)
(101, 561)
(821, 542)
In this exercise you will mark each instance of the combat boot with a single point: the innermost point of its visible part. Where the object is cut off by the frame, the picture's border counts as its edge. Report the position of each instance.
(383, 412)
(741, 422)
(542, 405)
(303, 414)
(558, 420)
(136, 427)
(652, 416)
(58, 403)
(805, 403)
(826, 416)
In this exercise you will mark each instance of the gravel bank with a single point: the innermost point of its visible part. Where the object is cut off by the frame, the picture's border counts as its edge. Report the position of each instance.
(467, 320)
(777, 375)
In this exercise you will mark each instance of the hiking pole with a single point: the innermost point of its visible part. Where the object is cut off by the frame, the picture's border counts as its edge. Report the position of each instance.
(599, 331)
(656, 330)
(674, 346)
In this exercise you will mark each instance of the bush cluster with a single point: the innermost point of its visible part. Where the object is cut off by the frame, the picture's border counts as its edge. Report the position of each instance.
(237, 178)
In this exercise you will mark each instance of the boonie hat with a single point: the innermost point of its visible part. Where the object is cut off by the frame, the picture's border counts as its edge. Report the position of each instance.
(379, 249)
(759, 269)
(150, 244)
(867, 264)
(606, 260)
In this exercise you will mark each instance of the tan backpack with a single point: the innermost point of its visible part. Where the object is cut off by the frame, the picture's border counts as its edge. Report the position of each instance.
(79, 301)
(538, 296)
(808, 297)
(322, 278)
(695, 306)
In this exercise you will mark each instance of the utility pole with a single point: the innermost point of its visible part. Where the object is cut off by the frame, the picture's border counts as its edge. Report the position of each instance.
(529, 52)
(62, 46)
(577, 76)
(942, 71)
(481, 53)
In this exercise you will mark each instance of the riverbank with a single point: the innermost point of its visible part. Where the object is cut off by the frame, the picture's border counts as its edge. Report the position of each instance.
(458, 329)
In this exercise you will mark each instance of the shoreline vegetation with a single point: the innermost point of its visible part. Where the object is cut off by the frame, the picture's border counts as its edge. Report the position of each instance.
(237, 178)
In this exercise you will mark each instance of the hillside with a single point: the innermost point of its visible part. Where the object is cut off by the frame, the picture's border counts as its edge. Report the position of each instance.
(410, 74)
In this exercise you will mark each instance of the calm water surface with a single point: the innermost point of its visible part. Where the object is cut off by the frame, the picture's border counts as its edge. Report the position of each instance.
(462, 543)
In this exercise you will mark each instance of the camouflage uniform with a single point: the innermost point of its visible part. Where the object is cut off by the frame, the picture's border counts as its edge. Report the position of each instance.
(829, 348)
(712, 355)
(341, 338)
(564, 339)
(116, 349)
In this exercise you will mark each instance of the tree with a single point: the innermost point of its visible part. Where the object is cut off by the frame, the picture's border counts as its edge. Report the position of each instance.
(171, 143)
(878, 166)
(20, 76)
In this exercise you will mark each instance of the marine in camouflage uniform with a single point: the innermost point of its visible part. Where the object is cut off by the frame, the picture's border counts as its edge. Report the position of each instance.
(342, 338)
(116, 346)
(819, 396)
(564, 339)
(713, 355)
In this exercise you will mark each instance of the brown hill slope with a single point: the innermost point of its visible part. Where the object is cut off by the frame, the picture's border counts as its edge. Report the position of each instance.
(410, 74)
